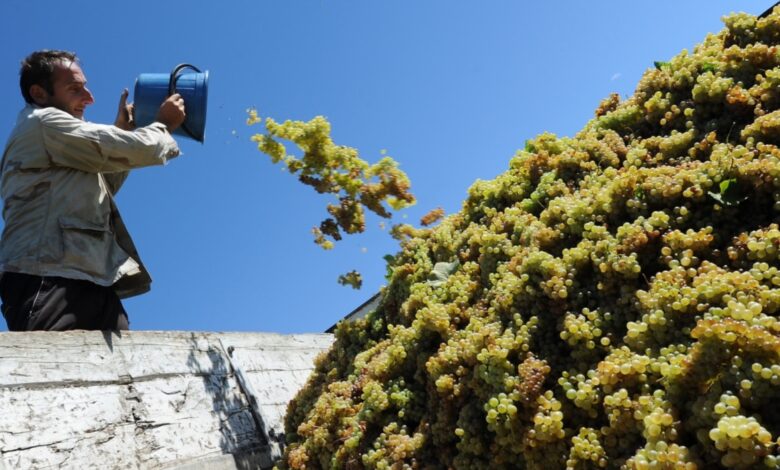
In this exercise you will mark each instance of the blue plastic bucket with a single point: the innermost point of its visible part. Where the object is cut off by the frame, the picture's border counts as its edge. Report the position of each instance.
(151, 89)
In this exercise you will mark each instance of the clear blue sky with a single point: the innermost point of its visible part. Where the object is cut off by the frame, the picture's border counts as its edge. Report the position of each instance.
(451, 89)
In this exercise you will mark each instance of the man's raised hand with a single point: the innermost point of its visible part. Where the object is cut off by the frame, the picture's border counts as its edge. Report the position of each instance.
(171, 112)
(124, 115)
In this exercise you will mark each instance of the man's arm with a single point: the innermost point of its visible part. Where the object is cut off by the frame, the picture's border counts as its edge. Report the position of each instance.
(124, 120)
(100, 148)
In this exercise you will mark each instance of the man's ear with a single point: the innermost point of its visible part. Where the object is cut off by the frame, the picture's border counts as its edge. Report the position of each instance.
(39, 95)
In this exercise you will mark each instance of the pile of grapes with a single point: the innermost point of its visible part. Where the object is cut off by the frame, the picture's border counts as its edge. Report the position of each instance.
(611, 301)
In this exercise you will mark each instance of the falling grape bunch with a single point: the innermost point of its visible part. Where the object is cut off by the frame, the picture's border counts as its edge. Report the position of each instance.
(336, 170)
(353, 279)
(432, 217)
(611, 301)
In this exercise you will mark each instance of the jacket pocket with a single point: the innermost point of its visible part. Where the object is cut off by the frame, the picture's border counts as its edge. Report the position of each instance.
(88, 246)
(75, 223)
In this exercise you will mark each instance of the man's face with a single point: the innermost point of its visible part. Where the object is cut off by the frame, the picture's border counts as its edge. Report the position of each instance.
(70, 90)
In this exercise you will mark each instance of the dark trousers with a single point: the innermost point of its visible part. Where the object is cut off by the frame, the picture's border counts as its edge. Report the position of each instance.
(58, 304)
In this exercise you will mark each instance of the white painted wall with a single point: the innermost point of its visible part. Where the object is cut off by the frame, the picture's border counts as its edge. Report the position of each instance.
(148, 400)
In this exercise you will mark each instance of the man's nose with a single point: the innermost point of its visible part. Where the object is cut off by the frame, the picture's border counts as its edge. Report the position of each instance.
(87, 96)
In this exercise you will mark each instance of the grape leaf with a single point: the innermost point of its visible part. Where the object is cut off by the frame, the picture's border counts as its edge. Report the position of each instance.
(659, 65)
(708, 67)
(730, 193)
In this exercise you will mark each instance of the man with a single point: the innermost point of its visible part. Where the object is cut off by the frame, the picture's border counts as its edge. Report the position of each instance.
(65, 256)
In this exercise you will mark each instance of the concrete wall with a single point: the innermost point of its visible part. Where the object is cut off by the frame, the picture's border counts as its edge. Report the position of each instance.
(148, 400)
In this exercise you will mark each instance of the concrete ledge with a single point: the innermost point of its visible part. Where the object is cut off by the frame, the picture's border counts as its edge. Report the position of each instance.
(146, 399)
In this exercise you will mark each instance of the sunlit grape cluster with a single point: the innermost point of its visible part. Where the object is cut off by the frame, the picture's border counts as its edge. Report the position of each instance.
(610, 301)
(353, 279)
(432, 217)
(335, 169)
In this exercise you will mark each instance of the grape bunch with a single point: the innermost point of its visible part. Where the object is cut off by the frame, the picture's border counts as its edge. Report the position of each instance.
(611, 301)
(352, 278)
(334, 169)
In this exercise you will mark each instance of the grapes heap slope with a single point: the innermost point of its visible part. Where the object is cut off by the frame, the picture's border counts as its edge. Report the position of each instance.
(610, 301)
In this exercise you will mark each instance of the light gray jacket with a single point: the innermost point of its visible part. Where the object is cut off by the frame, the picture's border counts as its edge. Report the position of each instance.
(58, 177)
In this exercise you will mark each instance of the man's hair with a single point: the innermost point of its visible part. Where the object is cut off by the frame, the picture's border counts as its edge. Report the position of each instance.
(38, 69)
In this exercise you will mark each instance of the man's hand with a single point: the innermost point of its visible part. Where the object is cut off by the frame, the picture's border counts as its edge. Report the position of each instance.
(124, 115)
(171, 112)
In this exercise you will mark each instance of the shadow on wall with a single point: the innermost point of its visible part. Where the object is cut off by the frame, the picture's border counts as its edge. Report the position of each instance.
(242, 438)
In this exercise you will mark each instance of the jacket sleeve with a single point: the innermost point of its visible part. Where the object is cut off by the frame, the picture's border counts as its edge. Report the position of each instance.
(101, 148)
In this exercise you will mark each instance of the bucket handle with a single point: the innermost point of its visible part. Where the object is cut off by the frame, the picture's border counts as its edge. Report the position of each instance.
(172, 90)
